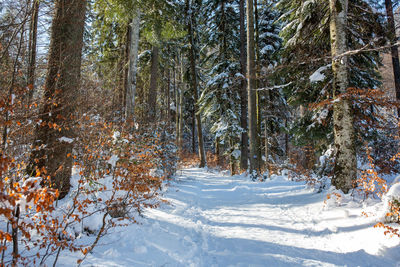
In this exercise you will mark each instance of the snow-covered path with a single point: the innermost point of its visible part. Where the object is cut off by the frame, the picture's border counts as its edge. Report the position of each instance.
(216, 220)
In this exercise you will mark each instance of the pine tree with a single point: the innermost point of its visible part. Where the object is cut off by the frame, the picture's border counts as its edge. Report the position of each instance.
(307, 70)
(220, 99)
(190, 16)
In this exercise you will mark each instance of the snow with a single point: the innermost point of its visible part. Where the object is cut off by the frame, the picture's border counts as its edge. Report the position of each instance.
(318, 76)
(218, 220)
(66, 139)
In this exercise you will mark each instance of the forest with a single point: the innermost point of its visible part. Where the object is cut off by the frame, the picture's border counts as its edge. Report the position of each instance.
(188, 132)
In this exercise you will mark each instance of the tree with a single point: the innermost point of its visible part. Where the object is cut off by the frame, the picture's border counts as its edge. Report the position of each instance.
(219, 102)
(251, 90)
(55, 135)
(394, 49)
(32, 48)
(345, 170)
(193, 77)
(134, 28)
(306, 69)
(244, 146)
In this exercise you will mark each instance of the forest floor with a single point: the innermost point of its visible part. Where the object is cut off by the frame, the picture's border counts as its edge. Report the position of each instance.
(214, 219)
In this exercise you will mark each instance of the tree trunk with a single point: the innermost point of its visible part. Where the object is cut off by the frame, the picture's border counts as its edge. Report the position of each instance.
(193, 76)
(244, 157)
(132, 66)
(345, 170)
(152, 96)
(125, 74)
(232, 157)
(54, 137)
(168, 96)
(32, 49)
(251, 76)
(181, 92)
(394, 49)
(258, 83)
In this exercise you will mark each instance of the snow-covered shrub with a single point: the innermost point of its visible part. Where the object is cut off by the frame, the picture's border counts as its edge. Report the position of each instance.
(111, 185)
(392, 204)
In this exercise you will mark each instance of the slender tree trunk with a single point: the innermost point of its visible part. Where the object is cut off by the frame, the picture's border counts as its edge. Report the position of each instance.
(54, 137)
(180, 129)
(394, 49)
(232, 158)
(15, 235)
(345, 170)
(251, 76)
(125, 80)
(168, 96)
(193, 131)
(287, 149)
(258, 83)
(181, 92)
(32, 49)
(193, 76)
(152, 96)
(218, 150)
(132, 66)
(267, 152)
(118, 94)
(244, 157)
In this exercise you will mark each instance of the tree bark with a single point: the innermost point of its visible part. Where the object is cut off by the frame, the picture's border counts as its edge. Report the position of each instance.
(251, 78)
(244, 155)
(394, 50)
(345, 170)
(132, 66)
(32, 49)
(152, 96)
(181, 92)
(258, 83)
(193, 76)
(54, 136)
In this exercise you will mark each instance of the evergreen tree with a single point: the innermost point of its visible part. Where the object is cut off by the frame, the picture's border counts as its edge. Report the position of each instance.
(306, 65)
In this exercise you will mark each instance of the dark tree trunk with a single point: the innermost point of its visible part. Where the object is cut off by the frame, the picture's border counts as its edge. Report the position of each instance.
(251, 86)
(152, 96)
(125, 78)
(54, 137)
(193, 76)
(244, 157)
(32, 49)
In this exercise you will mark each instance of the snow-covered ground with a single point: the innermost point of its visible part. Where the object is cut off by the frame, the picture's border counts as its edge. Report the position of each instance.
(217, 220)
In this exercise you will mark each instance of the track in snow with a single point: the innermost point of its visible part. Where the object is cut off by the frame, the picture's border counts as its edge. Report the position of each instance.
(217, 220)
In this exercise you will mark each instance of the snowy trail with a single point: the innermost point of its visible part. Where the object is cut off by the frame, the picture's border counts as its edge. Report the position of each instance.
(217, 220)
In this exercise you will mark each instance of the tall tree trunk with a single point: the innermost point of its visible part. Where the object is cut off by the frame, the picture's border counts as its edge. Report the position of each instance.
(32, 49)
(132, 66)
(181, 92)
(152, 96)
(258, 82)
(193, 76)
(168, 95)
(218, 150)
(394, 49)
(251, 76)
(54, 137)
(125, 81)
(232, 157)
(244, 157)
(345, 170)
